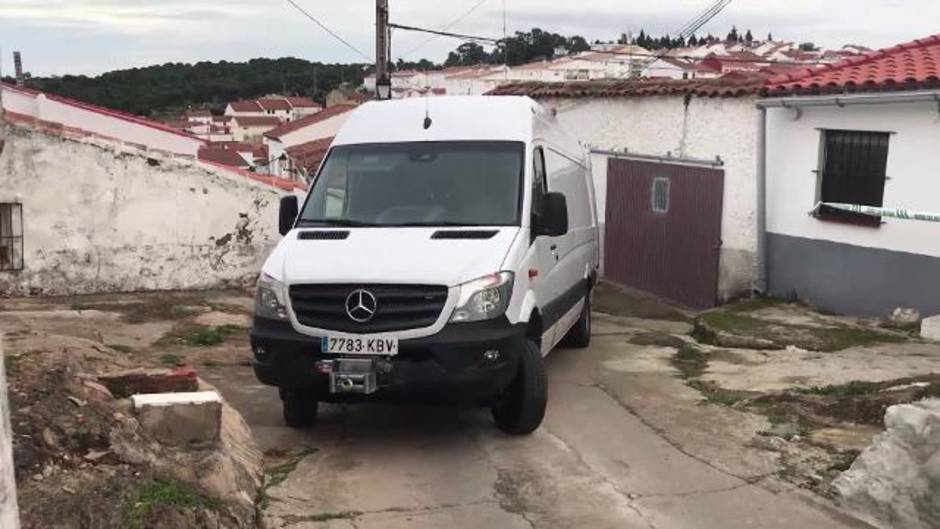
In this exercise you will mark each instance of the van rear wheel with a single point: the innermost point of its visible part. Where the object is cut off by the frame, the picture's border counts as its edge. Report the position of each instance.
(522, 408)
(300, 408)
(580, 334)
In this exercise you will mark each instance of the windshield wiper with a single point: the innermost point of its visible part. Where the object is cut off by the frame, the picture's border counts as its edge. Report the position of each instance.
(344, 223)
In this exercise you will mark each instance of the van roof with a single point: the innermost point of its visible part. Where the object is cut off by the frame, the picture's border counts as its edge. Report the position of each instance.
(453, 118)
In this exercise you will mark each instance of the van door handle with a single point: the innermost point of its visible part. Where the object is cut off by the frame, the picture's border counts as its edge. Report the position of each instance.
(553, 247)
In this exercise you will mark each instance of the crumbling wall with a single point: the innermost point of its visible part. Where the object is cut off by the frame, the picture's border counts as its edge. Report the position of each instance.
(100, 217)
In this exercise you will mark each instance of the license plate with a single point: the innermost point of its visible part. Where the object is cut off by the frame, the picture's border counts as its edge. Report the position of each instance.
(363, 346)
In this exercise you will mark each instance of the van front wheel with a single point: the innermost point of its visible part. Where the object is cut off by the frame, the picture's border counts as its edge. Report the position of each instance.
(521, 409)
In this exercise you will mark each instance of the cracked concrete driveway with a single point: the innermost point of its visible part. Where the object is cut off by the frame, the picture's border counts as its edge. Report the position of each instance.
(624, 445)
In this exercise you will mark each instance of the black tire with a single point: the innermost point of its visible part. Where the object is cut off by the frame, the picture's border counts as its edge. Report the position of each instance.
(300, 408)
(580, 335)
(522, 407)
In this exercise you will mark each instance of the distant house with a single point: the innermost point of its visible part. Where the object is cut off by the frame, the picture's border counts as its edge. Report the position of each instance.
(244, 108)
(345, 95)
(865, 132)
(251, 129)
(324, 124)
(674, 166)
(305, 158)
(302, 106)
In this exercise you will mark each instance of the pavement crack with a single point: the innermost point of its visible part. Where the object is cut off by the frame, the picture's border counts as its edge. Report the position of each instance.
(661, 433)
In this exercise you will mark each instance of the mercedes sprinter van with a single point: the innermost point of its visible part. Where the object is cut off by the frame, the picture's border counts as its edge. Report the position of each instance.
(444, 247)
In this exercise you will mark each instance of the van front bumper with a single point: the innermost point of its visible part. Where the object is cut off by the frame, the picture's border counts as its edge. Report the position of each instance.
(446, 367)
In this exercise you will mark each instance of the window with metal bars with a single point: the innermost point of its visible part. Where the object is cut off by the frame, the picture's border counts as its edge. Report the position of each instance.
(11, 236)
(853, 171)
(660, 195)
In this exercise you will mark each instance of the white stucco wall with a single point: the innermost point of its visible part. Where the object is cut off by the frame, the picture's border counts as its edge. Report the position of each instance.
(316, 131)
(793, 154)
(99, 121)
(706, 128)
(100, 217)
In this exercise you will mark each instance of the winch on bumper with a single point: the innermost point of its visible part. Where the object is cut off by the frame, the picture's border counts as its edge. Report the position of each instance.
(464, 363)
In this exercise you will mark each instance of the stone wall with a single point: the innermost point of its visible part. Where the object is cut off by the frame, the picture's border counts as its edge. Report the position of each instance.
(103, 217)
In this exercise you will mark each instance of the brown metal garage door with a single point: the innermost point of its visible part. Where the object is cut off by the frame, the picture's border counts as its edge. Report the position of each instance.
(663, 232)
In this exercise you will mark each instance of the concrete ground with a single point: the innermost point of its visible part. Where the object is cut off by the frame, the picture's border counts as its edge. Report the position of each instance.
(626, 442)
(622, 446)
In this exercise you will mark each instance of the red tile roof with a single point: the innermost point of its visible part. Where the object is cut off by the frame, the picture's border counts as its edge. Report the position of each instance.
(257, 121)
(245, 106)
(222, 156)
(301, 102)
(909, 66)
(736, 85)
(309, 155)
(274, 103)
(306, 121)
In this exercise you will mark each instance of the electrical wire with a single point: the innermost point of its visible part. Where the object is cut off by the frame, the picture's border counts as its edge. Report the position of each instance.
(472, 38)
(687, 31)
(449, 25)
(330, 31)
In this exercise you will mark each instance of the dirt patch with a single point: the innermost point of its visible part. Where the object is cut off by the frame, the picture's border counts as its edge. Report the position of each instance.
(617, 301)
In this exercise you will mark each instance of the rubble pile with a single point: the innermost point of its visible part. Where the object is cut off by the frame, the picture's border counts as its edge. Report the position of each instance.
(86, 456)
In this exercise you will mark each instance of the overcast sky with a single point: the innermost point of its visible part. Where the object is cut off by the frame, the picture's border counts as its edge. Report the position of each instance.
(92, 36)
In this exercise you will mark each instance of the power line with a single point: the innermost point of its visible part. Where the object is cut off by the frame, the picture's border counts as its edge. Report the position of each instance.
(449, 25)
(689, 29)
(328, 30)
(472, 38)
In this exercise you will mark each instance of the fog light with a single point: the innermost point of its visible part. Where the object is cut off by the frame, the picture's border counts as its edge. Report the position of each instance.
(260, 353)
(491, 356)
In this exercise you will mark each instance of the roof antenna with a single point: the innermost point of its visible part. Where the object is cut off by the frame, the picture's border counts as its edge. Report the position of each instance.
(427, 110)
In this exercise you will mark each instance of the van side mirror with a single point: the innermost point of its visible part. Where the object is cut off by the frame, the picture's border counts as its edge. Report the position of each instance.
(555, 221)
(287, 215)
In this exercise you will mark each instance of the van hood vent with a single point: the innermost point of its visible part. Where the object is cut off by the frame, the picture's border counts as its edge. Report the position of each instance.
(325, 235)
(465, 234)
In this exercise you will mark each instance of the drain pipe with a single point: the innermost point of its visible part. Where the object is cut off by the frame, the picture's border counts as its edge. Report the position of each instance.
(761, 284)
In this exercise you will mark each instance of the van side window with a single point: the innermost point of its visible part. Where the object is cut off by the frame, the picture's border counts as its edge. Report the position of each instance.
(539, 186)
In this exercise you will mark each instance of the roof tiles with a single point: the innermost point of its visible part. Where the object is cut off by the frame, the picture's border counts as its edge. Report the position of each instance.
(306, 121)
(728, 86)
(910, 66)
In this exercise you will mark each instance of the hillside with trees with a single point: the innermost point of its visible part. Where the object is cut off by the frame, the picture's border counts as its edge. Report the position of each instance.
(168, 88)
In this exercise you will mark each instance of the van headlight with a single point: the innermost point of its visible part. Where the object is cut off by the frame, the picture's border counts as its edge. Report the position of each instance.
(484, 298)
(271, 298)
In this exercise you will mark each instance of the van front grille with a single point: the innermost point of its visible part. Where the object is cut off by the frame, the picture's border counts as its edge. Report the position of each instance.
(396, 307)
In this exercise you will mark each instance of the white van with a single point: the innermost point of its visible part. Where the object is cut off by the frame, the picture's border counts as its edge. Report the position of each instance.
(445, 246)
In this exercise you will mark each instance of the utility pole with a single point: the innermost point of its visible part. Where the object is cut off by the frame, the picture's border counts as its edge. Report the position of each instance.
(382, 81)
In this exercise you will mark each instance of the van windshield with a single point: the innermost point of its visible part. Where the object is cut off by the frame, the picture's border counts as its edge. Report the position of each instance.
(418, 184)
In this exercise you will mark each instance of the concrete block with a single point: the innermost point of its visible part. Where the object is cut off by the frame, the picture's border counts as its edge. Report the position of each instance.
(180, 418)
(930, 328)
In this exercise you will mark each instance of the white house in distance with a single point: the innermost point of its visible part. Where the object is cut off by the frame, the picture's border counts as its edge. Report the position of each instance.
(690, 145)
(251, 129)
(864, 132)
(284, 108)
(319, 126)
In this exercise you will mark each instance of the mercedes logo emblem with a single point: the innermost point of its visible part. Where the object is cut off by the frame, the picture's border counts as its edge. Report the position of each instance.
(361, 305)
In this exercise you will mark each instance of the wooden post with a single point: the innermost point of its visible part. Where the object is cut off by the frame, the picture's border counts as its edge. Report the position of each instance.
(9, 514)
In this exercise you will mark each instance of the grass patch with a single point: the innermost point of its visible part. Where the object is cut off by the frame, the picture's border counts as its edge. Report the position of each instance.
(852, 389)
(659, 339)
(203, 336)
(808, 337)
(716, 394)
(843, 460)
(171, 359)
(11, 363)
(121, 348)
(690, 361)
(137, 512)
(80, 307)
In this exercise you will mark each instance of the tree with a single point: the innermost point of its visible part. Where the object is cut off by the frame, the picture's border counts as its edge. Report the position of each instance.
(577, 44)
(733, 35)
(748, 37)
(808, 46)
(693, 41)
(467, 54)
(770, 37)
(641, 40)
